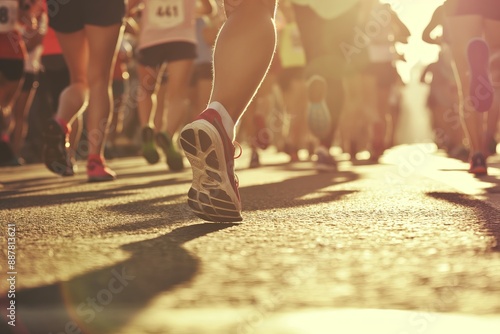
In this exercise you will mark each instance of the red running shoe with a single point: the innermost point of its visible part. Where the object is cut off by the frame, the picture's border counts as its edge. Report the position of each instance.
(478, 165)
(213, 195)
(98, 172)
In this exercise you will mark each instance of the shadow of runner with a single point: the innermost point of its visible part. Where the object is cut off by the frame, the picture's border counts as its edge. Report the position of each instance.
(104, 300)
(296, 191)
(488, 215)
(28, 201)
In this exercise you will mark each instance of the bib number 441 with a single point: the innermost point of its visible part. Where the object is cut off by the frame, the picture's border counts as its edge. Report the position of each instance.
(166, 13)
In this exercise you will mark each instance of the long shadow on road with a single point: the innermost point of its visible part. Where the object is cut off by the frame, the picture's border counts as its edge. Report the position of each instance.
(296, 191)
(488, 215)
(27, 201)
(102, 301)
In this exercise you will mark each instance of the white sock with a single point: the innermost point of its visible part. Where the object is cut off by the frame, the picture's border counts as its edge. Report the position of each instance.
(227, 121)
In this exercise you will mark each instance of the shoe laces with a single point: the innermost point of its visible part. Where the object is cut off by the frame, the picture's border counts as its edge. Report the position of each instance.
(240, 151)
(236, 156)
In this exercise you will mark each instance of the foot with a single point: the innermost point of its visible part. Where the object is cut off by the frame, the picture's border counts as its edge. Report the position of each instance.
(174, 159)
(213, 195)
(325, 162)
(481, 90)
(97, 171)
(56, 150)
(478, 165)
(318, 114)
(149, 151)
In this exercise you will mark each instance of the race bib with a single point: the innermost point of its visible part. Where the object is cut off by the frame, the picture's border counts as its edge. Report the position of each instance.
(8, 15)
(166, 13)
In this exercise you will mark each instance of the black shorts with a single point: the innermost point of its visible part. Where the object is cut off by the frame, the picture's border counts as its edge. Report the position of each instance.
(488, 9)
(12, 69)
(156, 55)
(71, 16)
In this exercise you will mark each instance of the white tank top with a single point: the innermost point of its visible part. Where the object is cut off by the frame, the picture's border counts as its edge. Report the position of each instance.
(164, 21)
(8, 15)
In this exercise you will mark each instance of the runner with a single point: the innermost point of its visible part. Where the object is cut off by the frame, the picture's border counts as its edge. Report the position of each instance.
(473, 33)
(13, 15)
(167, 42)
(327, 62)
(208, 141)
(88, 32)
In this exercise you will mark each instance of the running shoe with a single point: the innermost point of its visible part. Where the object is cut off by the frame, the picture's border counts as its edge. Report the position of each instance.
(97, 171)
(325, 162)
(149, 151)
(55, 151)
(478, 165)
(319, 117)
(213, 195)
(481, 90)
(174, 159)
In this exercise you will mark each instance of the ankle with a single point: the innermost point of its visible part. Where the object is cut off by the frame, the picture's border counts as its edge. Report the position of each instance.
(64, 124)
(95, 158)
(227, 121)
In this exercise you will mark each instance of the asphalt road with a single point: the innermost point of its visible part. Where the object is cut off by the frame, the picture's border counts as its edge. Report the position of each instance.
(407, 246)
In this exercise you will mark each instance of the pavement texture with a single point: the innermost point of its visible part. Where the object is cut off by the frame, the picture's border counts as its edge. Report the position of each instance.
(410, 245)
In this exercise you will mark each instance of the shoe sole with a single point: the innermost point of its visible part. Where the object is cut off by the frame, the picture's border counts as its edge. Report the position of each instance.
(54, 160)
(211, 196)
(480, 84)
(479, 171)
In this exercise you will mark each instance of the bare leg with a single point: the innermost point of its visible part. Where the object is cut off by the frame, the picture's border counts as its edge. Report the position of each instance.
(491, 34)
(249, 29)
(103, 43)
(147, 99)
(462, 30)
(177, 93)
(73, 99)
(159, 118)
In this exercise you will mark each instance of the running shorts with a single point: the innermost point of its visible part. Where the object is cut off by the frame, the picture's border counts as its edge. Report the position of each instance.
(71, 16)
(156, 55)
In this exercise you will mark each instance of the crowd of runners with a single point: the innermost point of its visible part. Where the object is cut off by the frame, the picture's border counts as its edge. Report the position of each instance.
(85, 78)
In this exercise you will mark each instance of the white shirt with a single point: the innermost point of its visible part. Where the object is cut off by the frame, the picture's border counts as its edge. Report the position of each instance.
(328, 9)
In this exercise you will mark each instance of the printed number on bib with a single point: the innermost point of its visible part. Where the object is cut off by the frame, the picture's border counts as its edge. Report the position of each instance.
(8, 15)
(166, 13)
